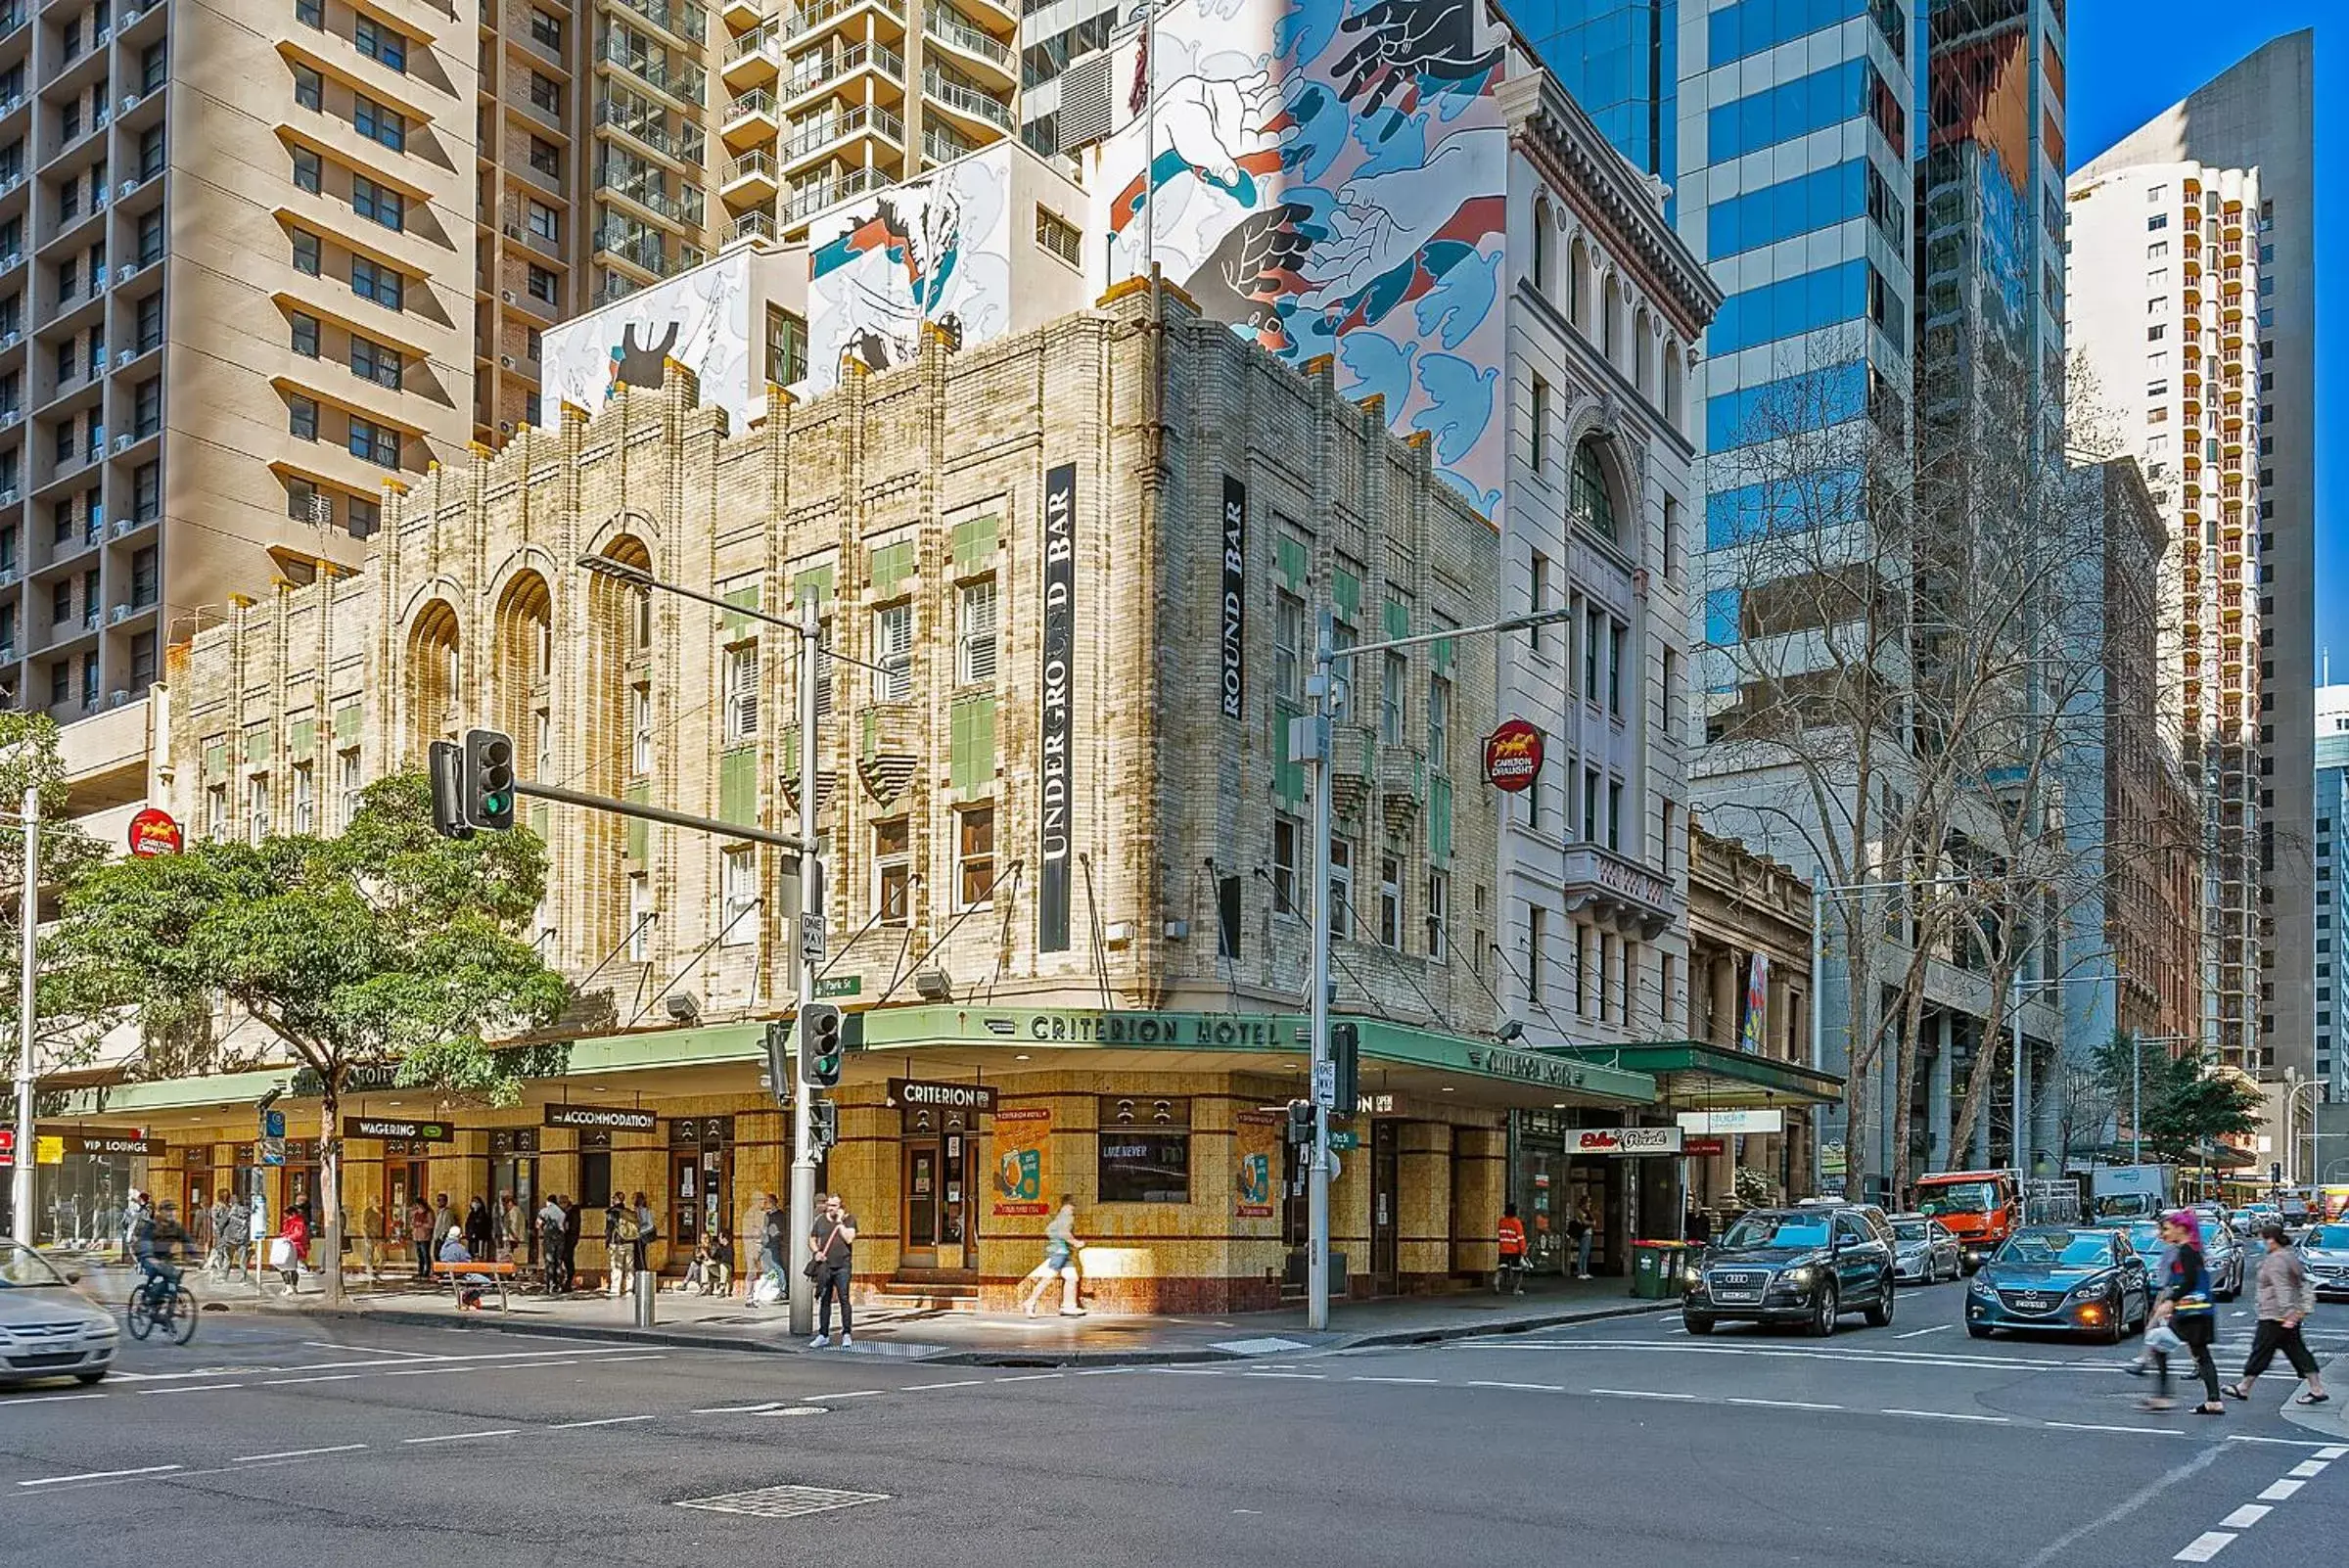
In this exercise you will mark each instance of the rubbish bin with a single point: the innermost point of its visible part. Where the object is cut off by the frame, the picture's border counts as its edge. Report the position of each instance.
(1659, 1269)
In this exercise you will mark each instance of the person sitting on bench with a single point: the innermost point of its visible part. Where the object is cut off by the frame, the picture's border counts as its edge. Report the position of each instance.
(468, 1286)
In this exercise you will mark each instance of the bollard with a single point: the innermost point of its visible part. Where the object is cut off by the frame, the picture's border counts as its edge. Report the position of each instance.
(648, 1290)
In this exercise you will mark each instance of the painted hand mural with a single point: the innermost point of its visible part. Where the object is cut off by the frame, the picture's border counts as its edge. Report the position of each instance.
(931, 254)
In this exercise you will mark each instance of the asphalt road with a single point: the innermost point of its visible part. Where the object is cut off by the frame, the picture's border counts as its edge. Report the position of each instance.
(269, 1441)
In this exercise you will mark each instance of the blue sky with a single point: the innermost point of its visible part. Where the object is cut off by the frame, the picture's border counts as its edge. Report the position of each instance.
(2132, 59)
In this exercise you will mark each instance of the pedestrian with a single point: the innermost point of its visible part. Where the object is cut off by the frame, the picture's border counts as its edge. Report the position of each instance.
(444, 1219)
(648, 1230)
(774, 1237)
(573, 1220)
(1512, 1236)
(1578, 1230)
(719, 1281)
(512, 1231)
(1697, 1229)
(290, 1253)
(1061, 1248)
(371, 1232)
(480, 1230)
(454, 1249)
(2185, 1310)
(2286, 1296)
(239, 1240)
(550, 1243)
(619, 1236)
(258, 1231)
(228, 1232)
(831, 1247)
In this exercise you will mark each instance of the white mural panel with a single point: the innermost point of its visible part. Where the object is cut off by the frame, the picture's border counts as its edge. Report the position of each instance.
(701, 320)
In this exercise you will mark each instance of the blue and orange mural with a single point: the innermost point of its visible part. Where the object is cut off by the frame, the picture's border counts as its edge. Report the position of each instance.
(1330, 177)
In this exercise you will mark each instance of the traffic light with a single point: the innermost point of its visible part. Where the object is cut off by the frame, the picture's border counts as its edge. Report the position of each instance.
(1301, 1122)
(1346, 1051)
(488, 779)
(820, 1045)
(823, 1124)
(778, 1059)
(445, 766)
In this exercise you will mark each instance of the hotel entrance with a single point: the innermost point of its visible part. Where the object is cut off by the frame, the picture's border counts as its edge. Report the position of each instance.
(937, 1203)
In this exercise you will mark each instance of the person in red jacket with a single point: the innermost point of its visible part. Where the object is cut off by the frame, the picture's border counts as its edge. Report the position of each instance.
(1512, 1252)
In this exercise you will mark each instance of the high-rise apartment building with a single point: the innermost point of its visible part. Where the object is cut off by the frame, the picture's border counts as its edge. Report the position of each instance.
(2330, 992)
(2245, 139)
(234, 269)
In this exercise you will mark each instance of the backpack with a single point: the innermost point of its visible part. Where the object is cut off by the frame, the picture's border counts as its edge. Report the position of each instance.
(626, 1228)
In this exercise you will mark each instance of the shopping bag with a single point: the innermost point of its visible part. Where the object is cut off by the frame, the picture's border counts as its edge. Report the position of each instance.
(280, 1252)
(2163, 1338)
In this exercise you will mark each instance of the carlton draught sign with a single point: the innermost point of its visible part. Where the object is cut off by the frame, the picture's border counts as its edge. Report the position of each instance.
(1513, 756)
(154, 832)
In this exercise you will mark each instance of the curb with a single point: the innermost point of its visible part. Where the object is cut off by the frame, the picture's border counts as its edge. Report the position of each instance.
(1515, 1325)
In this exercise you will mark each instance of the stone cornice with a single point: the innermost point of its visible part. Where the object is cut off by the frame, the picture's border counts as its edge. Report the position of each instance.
(1555, 132)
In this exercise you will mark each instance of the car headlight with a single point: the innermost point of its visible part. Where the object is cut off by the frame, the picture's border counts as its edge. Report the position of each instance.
(101, 1328)
(1981, 1286)
(2094, 1286)
(1796, 1276)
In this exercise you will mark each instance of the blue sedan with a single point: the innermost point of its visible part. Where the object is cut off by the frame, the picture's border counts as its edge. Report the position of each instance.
(2062, 1279)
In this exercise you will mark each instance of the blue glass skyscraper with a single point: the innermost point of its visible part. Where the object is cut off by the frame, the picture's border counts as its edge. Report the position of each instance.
(1620, 59)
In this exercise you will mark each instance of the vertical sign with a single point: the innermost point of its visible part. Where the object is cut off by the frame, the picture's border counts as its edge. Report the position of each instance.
(1757, 1003)
(1059, 662)
(1235, 594)
(1255, 1146)
(1023, 1137)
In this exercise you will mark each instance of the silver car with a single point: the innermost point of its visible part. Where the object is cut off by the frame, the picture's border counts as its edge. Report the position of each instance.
(48, 1328)
(1925, 1250)
(2324, 1253)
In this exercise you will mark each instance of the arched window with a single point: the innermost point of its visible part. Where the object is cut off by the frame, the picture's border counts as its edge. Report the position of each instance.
(1578, 285)
(1643, 376)
(1544, 282)
(1676, 372)
(1610, 322)
(1588, 497)
(521, 652)
(434, 676)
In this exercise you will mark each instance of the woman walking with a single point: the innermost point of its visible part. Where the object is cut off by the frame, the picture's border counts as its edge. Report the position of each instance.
(292, 1248)
(1061, 1248)
(2185, 1310)
(480, 1230)
(419, 1239)
(2287, 1295)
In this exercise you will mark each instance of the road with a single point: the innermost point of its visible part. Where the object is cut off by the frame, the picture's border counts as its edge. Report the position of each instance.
(270, 1441)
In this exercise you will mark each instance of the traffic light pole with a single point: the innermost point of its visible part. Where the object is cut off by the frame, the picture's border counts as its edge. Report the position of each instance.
(811, 908)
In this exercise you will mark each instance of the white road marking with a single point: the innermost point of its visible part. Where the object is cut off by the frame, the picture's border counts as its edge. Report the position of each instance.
(357, 1350)
(608, 1421)
(296, 1453)
(330, 1377)
(1194, 1371)
(2244, 1517)
(2281, 1490)
(190, 1388)
(2205, 1546)
(1313, 1377)
(1023, 1377)
(1523, 1388)
(609, 1359)
(1643, 1394)
(2280, 1443)
(463, 1437)
(2160, 1487)
(1785, 1405)
(1420, 1381)
(2134, 1431)
(2307, 1468)
(739, 1410)
(1920, 1333)
(53, 1399)
(853, 1394)
(924, 1388)
(1916, 1358)
(1947, 1415)
(2333, 1453)
(99, 1475)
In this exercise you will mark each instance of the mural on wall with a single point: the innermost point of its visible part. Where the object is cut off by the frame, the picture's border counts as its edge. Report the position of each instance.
(701, 320)
(1332, 177)
(933, 252)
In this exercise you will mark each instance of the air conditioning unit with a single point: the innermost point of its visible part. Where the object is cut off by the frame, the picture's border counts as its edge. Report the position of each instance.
(123, 357)
(505, 427)
(11, 183)
(14, 99)
(121, 443)
(103, 34)
(10, 260)
(131, 266)
(8, 497)
(130, 101)
(119, 699)
(8, 579)
(10, 417)
(9, 340)
(507, 295)
(122, 527)
(506, 361)
(513, 231)
(128, 186)
(120, 615)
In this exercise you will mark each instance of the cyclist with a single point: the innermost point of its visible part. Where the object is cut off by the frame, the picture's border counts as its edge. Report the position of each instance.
(159, 1241)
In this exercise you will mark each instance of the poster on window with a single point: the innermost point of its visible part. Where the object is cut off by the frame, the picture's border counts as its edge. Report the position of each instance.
(1256, 1144)
(1023, 1137)
(1757, 1003)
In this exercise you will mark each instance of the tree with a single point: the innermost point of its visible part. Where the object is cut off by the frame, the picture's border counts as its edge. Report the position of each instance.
(387, 944)
(2190, 1104)
(28, 755)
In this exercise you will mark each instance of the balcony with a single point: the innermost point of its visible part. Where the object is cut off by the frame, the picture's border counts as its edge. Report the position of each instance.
(642, 250)
(812, 139)
(741, 14)
(748, 179)
(810, 197)
(686, 211)
(812, 21)
(825, 71)
(941, 145)
(755, 59)
(1618, 894)
(681, 84)
(752, 120)
(966, 103)
(649, 128)
(684, 21)
(948, 27)
(752, 225)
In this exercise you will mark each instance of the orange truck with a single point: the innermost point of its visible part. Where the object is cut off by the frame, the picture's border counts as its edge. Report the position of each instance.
(1980, 1208)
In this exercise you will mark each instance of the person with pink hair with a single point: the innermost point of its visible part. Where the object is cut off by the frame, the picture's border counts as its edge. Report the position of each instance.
(2184, 1311)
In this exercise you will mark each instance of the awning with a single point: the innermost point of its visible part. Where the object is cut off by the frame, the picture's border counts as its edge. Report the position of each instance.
(1693, 1073)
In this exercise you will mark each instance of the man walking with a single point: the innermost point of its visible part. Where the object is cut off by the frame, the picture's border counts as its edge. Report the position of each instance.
(445, 1221)
(1579, 1231)
(513, 1229)
(1511, 1238)
(2286, 1296)
(833, 1242)
(620, 1240)
(550, 1244)
(773, 1238)
(419, 1239)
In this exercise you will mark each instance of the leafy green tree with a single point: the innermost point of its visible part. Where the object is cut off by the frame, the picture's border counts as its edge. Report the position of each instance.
(29, 756)
(389, 944)
(2190, 1104)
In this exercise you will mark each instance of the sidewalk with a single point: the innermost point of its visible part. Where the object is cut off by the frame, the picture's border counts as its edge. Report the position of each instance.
(979, 1339)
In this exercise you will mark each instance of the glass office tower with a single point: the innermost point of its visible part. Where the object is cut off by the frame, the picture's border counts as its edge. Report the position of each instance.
(1620, 59)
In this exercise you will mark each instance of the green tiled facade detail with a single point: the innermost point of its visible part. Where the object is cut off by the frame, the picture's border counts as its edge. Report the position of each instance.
(788, 751)
(737, 627)
(306, 737)
(975, 544)
(346, 724)
(1346, 592)
(1398, 619)
(257, 746)
(738, 786)
(1442, 655)
(539, 819)
(639, 831)
(1288, 778)
(814, 584)
(972, 768)
(1439, 820)
(893, 563)
(1290, 563)
(216, 759)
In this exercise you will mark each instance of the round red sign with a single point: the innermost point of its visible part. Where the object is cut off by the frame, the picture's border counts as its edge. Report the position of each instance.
(1513, 756)
(154, 832)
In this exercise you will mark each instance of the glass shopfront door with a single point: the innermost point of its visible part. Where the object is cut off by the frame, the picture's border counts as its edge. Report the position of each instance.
(938, 1180)
(701, 1181)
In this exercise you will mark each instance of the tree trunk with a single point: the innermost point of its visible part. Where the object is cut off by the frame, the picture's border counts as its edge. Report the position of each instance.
(330, 1189)
(1978, 1080)
(1904, 1066)
(1860, 1059)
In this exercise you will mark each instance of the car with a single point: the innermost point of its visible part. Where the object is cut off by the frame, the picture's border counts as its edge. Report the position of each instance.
(1807, 1264)
(2222, 1255)
(1925, 1250)
(2067, 1279)
(48, 1328)
(2251, 1216)
(2325, 1254)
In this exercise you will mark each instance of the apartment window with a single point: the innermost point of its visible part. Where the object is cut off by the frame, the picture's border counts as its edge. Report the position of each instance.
(154, 65)
(1341, 887)
(1536, 952)
(302, 417)
(1537, 600)
(151, 152)
(741, 677)
(892, 651)
(1288, 647)
(374, 361)
(215, 805)
(1536, 455)
(532, 409)
(1594, 627)
(373, 202)
(61, 683)
(61, 602)
(147, 493)
(256, 807)
(545, 28)
(68, 278)
(305, 801)
(146, 577)
(304, 335)
(546, 93)
(366, 516)
(1389, 902)
(1397, 671)
(65, 440)
(309, 170)
(543, 222)
(1614, 815)
(1438, 913)
(974, 857)
(309, 88)
(786, 347)
(1589, 805)
(1439, 724)
(388, 126)
(640, 730)
(383, 45)
(311, 12)
(69, 201)
(892, 872)
(546, 157)
(150, 238)
(975, 633)
(150, 322)
(2157, 222)
(533, 344)
(69, 362)
(2157, 331)
(305, 252)
(377, 443)
(738, 891)
(1059, 236)
(371, 280)
(641, 917)
(1672, 539)
(541, 284)
(1618, 646)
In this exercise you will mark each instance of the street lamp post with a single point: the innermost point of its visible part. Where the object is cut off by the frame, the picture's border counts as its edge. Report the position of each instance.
(1309, 745)
(2290, 1096)
(21, 1178)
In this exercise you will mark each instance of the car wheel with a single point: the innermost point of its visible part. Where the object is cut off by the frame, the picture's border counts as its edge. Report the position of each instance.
(2118, 1329)
(1696, 1325)
(1978, 1330)
(90, 1378)
(1823, 1309)
(1879, 1311)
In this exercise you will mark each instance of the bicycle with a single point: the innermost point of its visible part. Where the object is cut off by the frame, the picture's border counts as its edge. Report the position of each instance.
(173, 1312)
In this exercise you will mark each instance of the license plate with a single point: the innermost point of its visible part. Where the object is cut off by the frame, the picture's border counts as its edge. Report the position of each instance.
(1737, 1298)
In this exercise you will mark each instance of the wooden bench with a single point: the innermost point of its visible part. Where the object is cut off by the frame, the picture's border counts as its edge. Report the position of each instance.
(496, 1274)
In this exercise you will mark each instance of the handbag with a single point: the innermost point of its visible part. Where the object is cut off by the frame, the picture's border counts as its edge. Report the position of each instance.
(2163, 1338)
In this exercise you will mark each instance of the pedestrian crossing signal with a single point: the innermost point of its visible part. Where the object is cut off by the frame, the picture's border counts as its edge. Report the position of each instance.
(1346, 1052)
(823, 1124)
